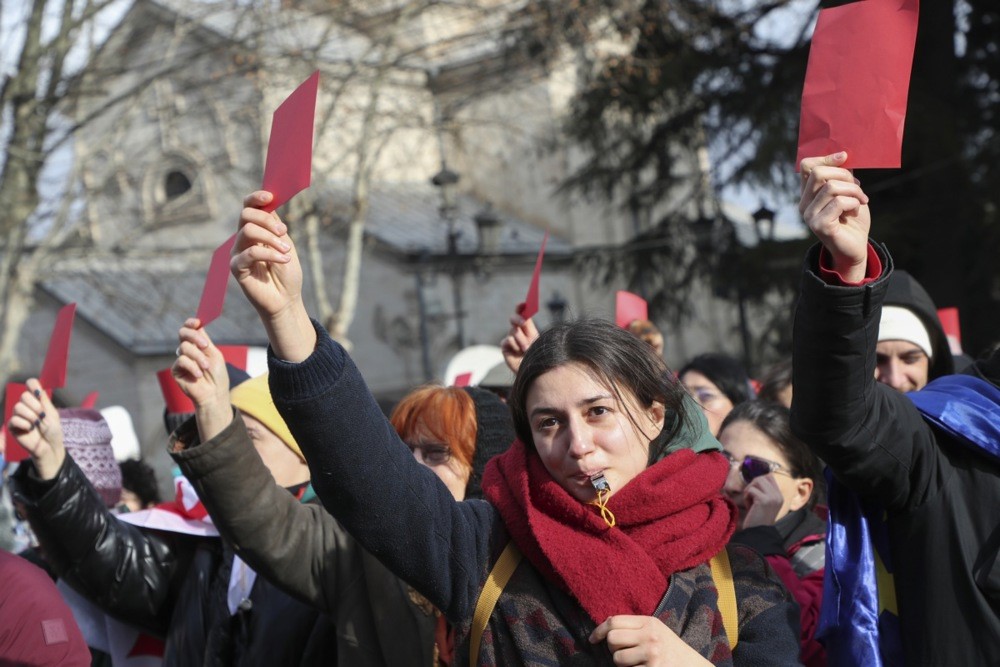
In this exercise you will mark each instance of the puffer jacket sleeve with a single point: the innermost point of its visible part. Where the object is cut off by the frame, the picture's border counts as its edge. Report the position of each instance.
(125, 571)
(870, 435)
(296, 546)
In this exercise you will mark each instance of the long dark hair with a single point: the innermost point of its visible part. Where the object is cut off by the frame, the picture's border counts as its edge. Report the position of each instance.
(772, 419)
(725, 372)
(617, 358)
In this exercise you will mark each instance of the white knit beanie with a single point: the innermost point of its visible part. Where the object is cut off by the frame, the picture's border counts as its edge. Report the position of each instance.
(900, 323)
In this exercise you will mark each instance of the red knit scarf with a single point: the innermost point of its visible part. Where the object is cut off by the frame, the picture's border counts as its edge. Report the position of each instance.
(670, 517)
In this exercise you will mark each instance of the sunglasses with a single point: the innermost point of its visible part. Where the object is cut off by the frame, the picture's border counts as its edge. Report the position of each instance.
(752, 467)
(432, 454)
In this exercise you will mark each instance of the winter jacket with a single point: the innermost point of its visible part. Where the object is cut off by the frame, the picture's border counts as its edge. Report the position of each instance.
(171, 585)
(378, 619)
(794, 548)
(402, 513)
(937, 492)
(36, 626)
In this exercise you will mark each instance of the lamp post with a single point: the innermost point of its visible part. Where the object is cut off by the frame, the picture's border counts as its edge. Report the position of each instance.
(764, 217)
(445, 180)
(488, 225)
(556, 306)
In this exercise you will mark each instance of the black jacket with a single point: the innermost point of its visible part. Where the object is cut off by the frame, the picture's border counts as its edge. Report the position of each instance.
(941, 497)
(171, 585)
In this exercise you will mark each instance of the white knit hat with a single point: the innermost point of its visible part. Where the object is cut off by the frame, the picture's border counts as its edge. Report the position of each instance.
(900, 323)
(124, 441)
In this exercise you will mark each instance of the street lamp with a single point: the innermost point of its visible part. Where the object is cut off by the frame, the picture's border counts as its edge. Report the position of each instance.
(764, 217)
(445, 180)
(488, 224)
(557, 307)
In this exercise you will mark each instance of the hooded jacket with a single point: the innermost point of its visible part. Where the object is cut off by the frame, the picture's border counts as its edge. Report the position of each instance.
(936, 491)
(903, 290)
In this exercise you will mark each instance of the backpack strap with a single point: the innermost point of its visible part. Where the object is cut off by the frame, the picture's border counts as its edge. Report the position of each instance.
(495, 581)
(722, 574)
(503, 569)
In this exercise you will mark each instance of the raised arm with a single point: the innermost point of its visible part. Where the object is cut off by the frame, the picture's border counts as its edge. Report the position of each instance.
(298, 547)
(870, 435)
(365, 476)
(130, 574)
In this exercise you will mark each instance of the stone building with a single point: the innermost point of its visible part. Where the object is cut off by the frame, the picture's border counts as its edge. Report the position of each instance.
(403, 98)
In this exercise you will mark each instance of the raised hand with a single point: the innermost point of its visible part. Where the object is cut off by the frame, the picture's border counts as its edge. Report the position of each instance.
(200, 370)
(517, 341)
(267, 268)
(264, 260)
(644, 640)
(36, 427)
(763, 501)
(835, 208)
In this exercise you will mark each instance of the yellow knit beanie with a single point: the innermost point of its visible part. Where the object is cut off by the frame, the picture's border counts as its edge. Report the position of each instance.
(253, 397)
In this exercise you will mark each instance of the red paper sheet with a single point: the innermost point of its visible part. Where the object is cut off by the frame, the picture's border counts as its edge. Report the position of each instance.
(175, 398)
(13, 452)
(53, 375)
(949, 322)
(629, 307)
(288, 169)
(857, 80)
(90, 400)
(235, 355)
(528, 309)
(213, 295)
(463, 379)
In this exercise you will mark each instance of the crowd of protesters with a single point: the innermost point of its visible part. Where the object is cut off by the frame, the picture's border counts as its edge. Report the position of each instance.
(595, 508)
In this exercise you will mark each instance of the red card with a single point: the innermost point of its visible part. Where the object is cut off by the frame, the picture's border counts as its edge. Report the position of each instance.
(528, 309)
(235, 355)
(288, 169)
(14, 452)
(175, 398)
(213, 295)
(949, 322)
(629, 308)
(857, 80)
(463, 379)
(53, 375)
(90, 400)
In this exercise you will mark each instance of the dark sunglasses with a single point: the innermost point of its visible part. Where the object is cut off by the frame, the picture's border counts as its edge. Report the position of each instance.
(432, 454)
(752, 467)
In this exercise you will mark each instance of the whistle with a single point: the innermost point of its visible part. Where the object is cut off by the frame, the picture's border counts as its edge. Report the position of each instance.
(600, 483)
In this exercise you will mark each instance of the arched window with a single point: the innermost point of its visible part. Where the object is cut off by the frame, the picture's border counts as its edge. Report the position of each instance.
(176, 184)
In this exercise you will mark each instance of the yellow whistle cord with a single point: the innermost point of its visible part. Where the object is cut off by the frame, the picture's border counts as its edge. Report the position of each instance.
(601, 503)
